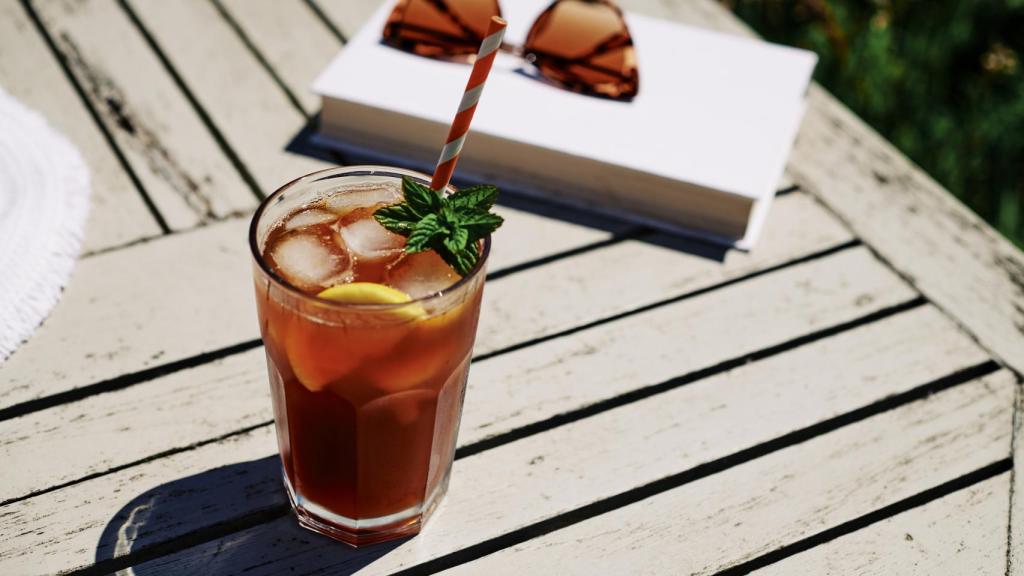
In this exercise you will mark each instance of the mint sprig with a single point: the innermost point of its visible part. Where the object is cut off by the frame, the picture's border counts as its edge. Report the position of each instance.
(451, 226)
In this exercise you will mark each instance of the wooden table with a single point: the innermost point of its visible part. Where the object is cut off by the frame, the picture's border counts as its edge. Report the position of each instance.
(839, 400)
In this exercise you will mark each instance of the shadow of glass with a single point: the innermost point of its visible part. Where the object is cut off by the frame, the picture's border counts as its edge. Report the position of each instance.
(191, 525)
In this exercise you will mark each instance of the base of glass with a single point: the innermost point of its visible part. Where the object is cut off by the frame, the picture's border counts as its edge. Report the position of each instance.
(362, 532)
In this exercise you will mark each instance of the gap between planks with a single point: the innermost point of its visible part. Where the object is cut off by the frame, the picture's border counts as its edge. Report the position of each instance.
(475, 520)
(926, 540)
(33, 70)
(779, 499)
(528, 374)
(178, 163)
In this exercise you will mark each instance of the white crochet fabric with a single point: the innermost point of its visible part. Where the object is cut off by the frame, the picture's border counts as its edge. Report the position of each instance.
(44, 200)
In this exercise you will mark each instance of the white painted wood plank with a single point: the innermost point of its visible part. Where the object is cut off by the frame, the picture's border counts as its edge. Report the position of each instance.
(105, 327)
(176, 494)
(945, 250)
(723, 518)
(528, 385)
(293, 40)
(957, 534)
(137, 308)
(172, 152)
(30, 72)
(348, 15)
(247, 106)
(878, 359)
(634, 273)
(746, 511)
(951, 255)
(114, 429)
(163, 315)
(1015, 556)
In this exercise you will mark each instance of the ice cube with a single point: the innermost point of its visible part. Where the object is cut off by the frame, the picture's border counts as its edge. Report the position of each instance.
(368, 241)
(308, 263)
(362, 197)
(420, 274)
(310, 217)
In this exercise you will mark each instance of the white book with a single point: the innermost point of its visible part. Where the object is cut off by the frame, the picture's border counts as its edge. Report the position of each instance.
(701, 149)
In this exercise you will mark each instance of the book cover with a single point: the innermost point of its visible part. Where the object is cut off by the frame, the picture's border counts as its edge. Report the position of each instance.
(700, 149)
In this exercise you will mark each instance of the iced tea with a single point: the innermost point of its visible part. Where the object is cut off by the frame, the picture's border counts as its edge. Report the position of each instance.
(367, 396)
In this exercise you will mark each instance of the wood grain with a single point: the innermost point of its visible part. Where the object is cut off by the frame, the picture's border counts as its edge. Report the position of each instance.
(539, 477)
(757, 507)
(176, 494)
(31, 73)
(565, 294)
(195, 405)
(206, 307)
(946, 251)
(1015, 556)
(201, 404)
(249, 109)
(178, 162)
(292, 39)
(348, 15)
(957, 534)
(196, 287)
(188, 293)
(534, 384)
(942, 248)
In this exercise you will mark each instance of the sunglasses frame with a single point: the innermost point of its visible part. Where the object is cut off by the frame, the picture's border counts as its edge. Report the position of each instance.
(466, 46)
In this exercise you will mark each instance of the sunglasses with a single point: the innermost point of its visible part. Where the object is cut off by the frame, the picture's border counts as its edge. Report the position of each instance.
(582, 45)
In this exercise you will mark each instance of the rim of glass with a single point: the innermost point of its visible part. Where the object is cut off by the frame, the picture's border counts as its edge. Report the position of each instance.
(360, 170)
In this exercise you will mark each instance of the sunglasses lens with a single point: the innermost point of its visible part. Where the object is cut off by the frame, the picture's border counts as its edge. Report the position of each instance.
(585, 45)
(440, 27)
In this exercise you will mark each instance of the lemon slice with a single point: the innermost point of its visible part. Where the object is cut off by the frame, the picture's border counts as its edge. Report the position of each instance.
(373, 293)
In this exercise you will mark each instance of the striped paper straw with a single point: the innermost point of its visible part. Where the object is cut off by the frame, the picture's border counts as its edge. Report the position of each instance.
(475, 86)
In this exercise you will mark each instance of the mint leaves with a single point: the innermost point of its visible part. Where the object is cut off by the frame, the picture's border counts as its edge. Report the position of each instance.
(451, 226)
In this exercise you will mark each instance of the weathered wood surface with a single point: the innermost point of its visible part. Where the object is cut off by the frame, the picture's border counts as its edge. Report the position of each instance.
(946, 251)
(816, 483)
(206, 403)
(741, 513)
(939, 246)
(212, 307)
(251, 111)
(117, 428)
(525, 386)
(608, 358)
(347, 16)
(293, 40)
(958, 534)
(30, 72)
(172, 152)
(1015, 557)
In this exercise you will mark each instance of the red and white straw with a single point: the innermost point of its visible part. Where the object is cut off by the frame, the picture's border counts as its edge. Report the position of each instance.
(475, 86)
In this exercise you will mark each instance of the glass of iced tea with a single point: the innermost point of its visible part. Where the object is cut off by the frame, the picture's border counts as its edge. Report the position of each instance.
(368, 391)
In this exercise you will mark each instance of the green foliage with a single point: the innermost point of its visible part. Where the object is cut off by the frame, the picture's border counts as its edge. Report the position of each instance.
(942, 79)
